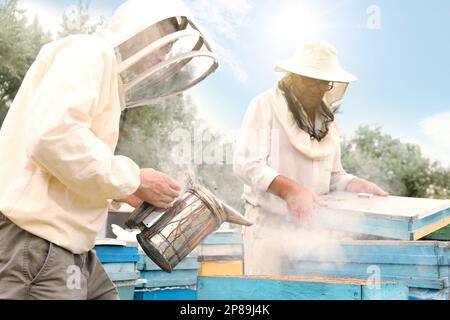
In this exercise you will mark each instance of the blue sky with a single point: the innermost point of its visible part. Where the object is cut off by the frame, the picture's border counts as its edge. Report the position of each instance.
(402, 66)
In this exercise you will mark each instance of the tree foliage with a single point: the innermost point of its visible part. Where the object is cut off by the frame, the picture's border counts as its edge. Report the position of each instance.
(151, 135)
(399, 167)
(170, 137)
(78, 20)
(20, 42)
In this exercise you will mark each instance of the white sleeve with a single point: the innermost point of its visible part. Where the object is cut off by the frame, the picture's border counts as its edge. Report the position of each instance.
(62, 141)
(253, 147)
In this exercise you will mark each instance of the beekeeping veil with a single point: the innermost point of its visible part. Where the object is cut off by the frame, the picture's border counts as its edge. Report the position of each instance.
(319, 60)
(161, 50)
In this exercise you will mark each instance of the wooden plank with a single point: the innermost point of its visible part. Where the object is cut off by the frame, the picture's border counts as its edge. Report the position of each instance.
(109, 254)
(118, 258)
(235, 250)
(158, 279)
(223, 238)
(388, 247)
(396, 207)
(188, 263)
(426, 294)
(356, 222)
(222, 268)
(170, 294)
(431, 260)
(385, 292)
(285, 288)
(120, 267)
(391, 217)
(387, 270)
(410, 282)
(124, 276)
(220, 258)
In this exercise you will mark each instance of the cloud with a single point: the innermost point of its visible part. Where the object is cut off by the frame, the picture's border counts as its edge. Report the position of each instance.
(222, 19)
(437, 127)
(435, 143)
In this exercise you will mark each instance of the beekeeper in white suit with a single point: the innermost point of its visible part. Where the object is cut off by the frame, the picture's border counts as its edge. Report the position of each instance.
(288, 153)
(58, 169)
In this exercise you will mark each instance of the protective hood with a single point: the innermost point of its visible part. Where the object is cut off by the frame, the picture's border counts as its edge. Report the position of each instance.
(310, 148)
(160, 48)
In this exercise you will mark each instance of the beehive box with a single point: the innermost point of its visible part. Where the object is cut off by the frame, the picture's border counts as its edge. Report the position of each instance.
(221, 253)
(185, 273)
(222, 268)
(418, 264)
(168, 294)
(119, 259)
(160, 285)
(394, 218)
(223, 245)
(428, 294)
(442, 234)
(296, 288)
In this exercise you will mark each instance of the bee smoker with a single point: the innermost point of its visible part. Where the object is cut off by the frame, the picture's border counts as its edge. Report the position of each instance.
(168, 236)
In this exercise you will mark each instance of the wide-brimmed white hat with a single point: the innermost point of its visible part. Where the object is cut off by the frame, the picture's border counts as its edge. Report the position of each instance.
(316, 60)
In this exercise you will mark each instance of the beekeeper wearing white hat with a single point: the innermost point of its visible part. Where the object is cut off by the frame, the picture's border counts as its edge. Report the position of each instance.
(288, 153)
(58, 170)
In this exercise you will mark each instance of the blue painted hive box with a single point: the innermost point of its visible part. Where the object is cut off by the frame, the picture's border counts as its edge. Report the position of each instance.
(119, 259)
(167, 294)
(222, 245)
(295, 288)
(185, 273)
(421, 265)
(395, 218)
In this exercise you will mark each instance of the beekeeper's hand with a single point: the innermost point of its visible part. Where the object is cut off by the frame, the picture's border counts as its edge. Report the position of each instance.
(158, 189)
(300, 201)
(359, 185)
(132, 200)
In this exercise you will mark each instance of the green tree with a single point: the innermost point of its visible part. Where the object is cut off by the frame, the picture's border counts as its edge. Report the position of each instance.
(78, 20)
(398, 167)
(169, 137)
(20, 42)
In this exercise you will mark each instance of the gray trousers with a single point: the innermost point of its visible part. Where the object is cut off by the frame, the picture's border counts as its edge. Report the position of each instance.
(32, 268)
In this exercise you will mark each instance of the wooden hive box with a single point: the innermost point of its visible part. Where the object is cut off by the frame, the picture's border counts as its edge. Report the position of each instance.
(185, 273)
(420, 265)
(167, 294)
(223, 245)
(119, 259)
(221, 253)
(442, 234)
(394, 218)
(295, 288)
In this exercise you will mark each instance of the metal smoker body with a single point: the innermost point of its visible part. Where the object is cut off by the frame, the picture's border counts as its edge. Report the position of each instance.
(168, 236)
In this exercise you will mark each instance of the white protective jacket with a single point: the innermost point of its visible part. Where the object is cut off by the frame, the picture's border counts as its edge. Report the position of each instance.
(271, 144)
(58, 169)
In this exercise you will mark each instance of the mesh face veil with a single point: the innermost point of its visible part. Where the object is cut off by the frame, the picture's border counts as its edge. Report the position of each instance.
(332, 98)
(165, 59)
(335, 96)
(163, 54)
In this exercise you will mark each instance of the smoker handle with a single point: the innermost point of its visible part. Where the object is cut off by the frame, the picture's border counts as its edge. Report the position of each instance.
(137, 217)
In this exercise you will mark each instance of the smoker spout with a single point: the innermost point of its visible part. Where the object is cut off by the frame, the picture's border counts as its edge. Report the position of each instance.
(235, 217)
